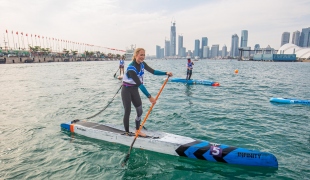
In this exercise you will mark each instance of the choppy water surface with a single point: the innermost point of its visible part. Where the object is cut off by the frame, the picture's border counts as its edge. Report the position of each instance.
(37, 98)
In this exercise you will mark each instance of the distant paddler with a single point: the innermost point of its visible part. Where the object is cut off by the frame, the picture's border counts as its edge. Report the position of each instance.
(189, 67)
(121, 68)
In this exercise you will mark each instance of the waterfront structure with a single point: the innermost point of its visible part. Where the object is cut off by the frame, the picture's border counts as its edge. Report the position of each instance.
(301, 52)
(167, 48)
(180, 45)
(296, 37)
(285, 38)
(158, 51)
(215, 50)
(173, 40)
(224, 51)
(204, 42)
(244, 38)
(256, 46)
(234, 52)
(304, 40)
(197, 47)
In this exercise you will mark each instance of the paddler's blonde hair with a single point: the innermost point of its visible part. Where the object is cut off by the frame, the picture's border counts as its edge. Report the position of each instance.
(136, 53)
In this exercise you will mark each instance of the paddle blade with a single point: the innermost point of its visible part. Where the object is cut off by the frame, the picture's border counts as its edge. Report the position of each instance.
(125, 160)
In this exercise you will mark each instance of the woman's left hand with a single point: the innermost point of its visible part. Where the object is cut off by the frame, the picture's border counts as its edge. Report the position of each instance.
(169, 74)
(152, 100)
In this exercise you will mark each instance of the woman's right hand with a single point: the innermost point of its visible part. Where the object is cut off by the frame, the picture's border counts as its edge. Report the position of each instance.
(152, 100)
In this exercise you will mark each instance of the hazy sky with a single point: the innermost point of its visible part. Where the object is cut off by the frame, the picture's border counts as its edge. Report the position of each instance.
(146, 23)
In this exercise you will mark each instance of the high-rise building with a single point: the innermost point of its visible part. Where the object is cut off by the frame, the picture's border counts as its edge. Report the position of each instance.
(206, 52)
(204, 42)
(167, 48)
(304, 40)
(196, 50)
(173, 40)
(285, 38)
(296, 37)
(215, 50)
(234, 51)
(180, 45)
(162, 53)
(224, 51)
(189, 54)
(158, 52)
(244, 38)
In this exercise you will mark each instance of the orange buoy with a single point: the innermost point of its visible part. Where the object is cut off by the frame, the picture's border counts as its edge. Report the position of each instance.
(236, 71)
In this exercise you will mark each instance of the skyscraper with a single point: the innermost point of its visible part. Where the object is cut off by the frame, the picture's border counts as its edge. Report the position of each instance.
(204, 42)
(295, 38)
(206, 52)
(285, 38)
(196, 50)
(304, 40)
(215, 50)
(167, 48)
(158, 52)
(224, 51)
(244, 38)
(234, 52)
(180, 45)
(173, 40)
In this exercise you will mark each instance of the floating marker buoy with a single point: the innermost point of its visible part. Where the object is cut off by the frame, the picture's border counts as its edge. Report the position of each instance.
(236, 71)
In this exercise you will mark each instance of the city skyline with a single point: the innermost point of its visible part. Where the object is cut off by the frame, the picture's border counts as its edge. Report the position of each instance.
(119, 23)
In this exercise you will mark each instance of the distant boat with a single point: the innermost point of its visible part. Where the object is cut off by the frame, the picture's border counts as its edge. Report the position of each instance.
(129, 53)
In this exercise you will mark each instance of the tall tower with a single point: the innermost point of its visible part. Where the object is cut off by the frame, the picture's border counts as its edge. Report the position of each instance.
(197, 44)
(224, 51)
(180, 45)
(304, 40)
(295, 38)
(173, 40)
(167, 48)
(234, 52)
(244, 38)
(158, 52)
(204, 42)
(285, 38)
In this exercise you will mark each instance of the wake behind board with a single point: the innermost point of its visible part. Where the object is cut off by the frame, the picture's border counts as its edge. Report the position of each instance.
(172, 144)
(290, 101)
(194, 81)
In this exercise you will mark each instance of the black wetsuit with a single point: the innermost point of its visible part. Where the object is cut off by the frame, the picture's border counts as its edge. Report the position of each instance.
(130, 93)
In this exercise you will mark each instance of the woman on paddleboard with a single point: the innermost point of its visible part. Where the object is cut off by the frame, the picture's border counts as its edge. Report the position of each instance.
(189, 67)
(132, 80)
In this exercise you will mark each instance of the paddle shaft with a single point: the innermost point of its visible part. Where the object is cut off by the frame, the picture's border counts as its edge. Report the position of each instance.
(116, 72)
(141, 126)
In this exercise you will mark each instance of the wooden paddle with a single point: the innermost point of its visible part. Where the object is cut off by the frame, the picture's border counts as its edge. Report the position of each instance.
(146, 116)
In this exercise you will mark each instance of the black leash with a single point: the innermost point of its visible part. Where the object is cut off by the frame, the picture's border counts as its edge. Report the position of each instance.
(106, 105)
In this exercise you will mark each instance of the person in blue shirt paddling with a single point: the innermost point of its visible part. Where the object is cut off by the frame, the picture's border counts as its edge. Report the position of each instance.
(189, 67)
(132, 80)
(121, 66)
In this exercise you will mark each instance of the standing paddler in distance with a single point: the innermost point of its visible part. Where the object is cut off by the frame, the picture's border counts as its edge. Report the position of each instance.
(132, 80)
(189, 67)
(121, 67)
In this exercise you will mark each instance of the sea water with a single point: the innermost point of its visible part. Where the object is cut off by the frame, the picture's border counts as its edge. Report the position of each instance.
(37, 98)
